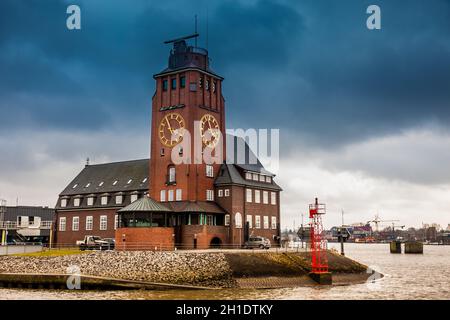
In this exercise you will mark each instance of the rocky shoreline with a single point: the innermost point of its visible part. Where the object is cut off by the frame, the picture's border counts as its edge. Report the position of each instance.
(207, 269)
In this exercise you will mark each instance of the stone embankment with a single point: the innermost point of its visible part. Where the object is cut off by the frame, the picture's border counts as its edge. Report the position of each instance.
(207, 269)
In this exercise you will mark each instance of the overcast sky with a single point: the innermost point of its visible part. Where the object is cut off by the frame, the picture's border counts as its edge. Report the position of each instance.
(363, 115)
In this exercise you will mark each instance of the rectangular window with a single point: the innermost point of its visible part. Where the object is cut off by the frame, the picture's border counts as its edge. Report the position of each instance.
(134, 197)
(103, 222)
(182, 81)
(265, 197)
(104, 200)
(164, 85)
(209, 171)
(262, 178)
(266, 222)
(210, 195)
(118, 199)
(257, 196)
(172, 175)
(89, 223)
(258, 222)
(76, 202)
(248, 195)
(174, 83)
(62, 224)
(268, 179)
(170, 195)
(274, 222)
(90, 201)
(227, 192)
(193, 86)
(116, 222)
(220, 193)
(250, 220)
(178, 195)
(63, 203)
(75, 223)
(255, 176)
(162, 196)
(248, 176)
(273, 198)
(227, 219)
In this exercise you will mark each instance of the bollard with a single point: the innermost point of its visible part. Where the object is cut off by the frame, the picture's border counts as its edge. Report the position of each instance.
(413, 247)
(396, 247)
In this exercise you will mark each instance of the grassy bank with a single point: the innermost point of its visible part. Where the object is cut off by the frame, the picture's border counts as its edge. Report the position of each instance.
(51, 253)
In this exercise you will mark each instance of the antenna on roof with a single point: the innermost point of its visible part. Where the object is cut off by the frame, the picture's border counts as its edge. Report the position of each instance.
(207, 26)
(87, 161)
(196, 32)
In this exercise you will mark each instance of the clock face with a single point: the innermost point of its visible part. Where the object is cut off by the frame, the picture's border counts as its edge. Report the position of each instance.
(209, 130)
(171, 129)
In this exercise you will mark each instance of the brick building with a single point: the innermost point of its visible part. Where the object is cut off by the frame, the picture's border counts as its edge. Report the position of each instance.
(161, 203)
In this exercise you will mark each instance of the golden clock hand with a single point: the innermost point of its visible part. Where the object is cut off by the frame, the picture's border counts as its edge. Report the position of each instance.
(169, 127)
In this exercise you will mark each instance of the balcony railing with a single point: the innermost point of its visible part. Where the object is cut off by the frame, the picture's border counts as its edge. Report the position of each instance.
(13, 225)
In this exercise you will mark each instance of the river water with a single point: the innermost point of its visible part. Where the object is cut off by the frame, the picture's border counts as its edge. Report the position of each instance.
(424, 276)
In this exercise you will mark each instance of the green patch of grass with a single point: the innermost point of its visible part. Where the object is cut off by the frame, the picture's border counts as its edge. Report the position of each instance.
(51, 253)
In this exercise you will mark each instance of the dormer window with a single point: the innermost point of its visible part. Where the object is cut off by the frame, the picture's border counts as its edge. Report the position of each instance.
(248, 176)
(119, 199)
(255, 177)
(90, 201)
(262, 178)
(134, 197)
(63, 203)
(76, 202)
(104, 200)
(269, 179)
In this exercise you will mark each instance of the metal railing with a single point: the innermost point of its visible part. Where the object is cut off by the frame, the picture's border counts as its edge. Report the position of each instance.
(13, 225)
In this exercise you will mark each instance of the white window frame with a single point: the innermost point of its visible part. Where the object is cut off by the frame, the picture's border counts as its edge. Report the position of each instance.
(103, 223)
(249, 219)
(63, 203)
(266, 222)
(171, 195)
(255, 177)
(209, 195)
(116, 222)
(248, 195)
(238, 220)
(178, 194)
(89, 223)
(119, 199)
(268, 179)
(90, 201)
(273, 198)
(104, 200)
(162, 196)
(75, 223)
(76, 202)
(258, 222)
(220, 193)
(62, 223)
(262, 178)
(248, 176)
(134, 197)
(274, 223)
(227, 192)
(172, 174)
(227, 220)
(257, 196)
(265, 197)
(209, 171)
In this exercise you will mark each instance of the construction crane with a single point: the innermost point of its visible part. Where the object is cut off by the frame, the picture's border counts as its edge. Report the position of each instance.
(377, 220)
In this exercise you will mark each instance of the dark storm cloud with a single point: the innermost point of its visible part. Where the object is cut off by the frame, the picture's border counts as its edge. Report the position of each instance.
(311, 67)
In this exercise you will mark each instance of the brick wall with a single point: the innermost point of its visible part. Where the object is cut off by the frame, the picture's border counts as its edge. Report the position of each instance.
(69, 237)
(157, 238)
(203, 235)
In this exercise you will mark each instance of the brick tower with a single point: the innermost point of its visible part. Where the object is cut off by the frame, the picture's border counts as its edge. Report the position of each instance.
(188, 92)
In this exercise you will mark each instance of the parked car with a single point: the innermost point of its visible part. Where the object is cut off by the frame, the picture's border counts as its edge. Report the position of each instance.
(257, 242)
(111, 243)
(93, 243)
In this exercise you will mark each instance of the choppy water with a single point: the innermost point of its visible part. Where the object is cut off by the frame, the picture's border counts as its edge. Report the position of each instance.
(424, 276)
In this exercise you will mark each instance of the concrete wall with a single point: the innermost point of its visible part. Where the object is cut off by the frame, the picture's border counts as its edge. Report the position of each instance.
(15, 249)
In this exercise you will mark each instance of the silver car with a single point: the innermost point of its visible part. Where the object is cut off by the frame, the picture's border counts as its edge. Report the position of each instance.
(257, 242)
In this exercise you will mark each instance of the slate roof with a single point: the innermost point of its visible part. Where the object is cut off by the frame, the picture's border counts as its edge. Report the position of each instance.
(46, 214)
(229, 174)
(145, 204)
(100, 178)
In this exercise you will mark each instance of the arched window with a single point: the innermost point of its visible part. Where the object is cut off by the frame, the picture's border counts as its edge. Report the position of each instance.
(238, 220)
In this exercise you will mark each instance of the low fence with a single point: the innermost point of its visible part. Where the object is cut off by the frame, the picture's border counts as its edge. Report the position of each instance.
(17, 249)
